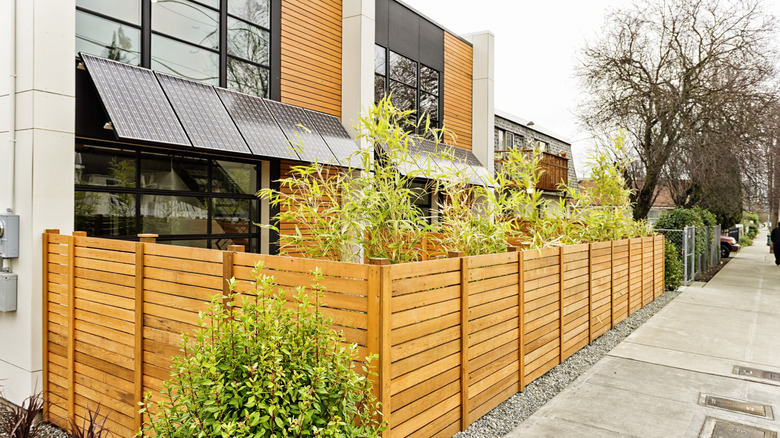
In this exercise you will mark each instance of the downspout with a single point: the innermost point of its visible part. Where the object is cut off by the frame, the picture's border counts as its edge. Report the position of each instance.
(12, 112)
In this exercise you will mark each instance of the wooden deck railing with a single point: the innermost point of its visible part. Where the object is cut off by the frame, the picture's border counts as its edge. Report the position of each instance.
(556, 169)
(455, 336)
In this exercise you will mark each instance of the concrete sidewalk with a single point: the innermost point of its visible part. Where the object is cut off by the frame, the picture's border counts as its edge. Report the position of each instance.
(657, 381)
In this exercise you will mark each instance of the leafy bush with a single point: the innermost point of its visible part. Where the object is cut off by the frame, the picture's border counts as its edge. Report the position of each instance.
(746, 240)
(265, 367)
(678, 219)
(673, 275)
(369, 207)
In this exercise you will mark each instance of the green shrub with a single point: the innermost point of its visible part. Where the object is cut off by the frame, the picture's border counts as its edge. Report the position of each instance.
(673, 274)
(269, 367)
(746, 240)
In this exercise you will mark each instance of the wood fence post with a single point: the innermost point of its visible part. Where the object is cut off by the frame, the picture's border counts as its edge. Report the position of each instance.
(384, 295)
(424, 245)
(628, 281)
(236, 248)
(72, 323)
(655, 265)
(663, 263)
(560, 304)
(464, 341)
(590, 293)
(147, 238)
(138, 374)
(612, 284)
(521, 318)
(642, 270)
(45, 318)
(227, 274)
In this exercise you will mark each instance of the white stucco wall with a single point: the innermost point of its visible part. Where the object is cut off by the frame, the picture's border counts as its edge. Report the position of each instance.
(483, 98)
(41, 173)
(357, 60)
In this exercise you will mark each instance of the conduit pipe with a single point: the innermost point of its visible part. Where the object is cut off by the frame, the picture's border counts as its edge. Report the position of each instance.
(11, 180)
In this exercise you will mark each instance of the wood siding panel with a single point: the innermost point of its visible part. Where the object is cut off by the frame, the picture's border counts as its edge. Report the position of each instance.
(458, 89)
(311, 55)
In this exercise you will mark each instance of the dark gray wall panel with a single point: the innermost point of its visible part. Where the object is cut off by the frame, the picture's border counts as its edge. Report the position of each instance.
(202, 114)
(259, 128)
(404, 31)
(431, 45)
(135, 102)
(309, 144)
(381, 33)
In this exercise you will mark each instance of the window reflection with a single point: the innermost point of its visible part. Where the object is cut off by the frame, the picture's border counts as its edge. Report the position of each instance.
(379, 87)
(254, 11)
(232, 177)
(104, 214)
(107, 39)
(125, 10)
(162, 214)
(429, 80)
(247, 41)
(178, 197)
(233, 216)
(96, 166)
(247, 78)
(380, 66)
(184, 60)
(187, 21)
(403, 69)
(170, 172)
(402, 97)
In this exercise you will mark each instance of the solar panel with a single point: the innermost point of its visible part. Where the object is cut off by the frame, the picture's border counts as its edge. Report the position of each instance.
(135, 103)
(202, 114)
(260, 130)
(335, 137)
(300, 130)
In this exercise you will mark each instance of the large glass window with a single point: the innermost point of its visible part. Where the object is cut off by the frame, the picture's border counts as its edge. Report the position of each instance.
(107, 38)
(413, 86)
(185, 38)
(197, 201)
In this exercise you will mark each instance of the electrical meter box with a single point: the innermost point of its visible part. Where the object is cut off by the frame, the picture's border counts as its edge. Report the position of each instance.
(8, 292)
(9, 236)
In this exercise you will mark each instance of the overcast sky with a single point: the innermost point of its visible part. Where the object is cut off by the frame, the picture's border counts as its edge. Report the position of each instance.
(538, 44)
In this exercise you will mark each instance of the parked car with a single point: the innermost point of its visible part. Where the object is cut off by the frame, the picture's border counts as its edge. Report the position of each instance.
(728, 245)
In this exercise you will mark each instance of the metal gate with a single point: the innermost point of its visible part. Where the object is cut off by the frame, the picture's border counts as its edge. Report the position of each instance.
(689, 254)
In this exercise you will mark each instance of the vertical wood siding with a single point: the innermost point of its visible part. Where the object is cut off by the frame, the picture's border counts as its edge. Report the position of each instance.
(458, 89)
(311, 55)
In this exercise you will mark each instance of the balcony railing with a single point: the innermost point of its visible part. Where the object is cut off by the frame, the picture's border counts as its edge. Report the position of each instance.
(556, 169)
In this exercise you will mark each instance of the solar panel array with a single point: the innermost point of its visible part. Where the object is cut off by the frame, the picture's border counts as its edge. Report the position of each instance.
(301, 133)
(260, 130)
(147, 106)
(335, 137)
(202, 114)
(135, 102)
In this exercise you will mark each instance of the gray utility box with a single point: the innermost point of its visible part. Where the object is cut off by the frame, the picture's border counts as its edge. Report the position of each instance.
(9, 236)
(7, 292)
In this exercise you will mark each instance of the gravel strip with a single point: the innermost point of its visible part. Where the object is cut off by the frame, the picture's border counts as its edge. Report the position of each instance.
(506, 416)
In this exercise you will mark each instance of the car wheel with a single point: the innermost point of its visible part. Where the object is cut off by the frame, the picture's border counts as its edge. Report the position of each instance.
(725, 251)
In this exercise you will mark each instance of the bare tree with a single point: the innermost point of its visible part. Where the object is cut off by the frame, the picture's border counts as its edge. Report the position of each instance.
(678, 76)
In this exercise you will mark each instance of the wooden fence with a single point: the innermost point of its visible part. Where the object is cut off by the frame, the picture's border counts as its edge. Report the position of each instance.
(455, 336)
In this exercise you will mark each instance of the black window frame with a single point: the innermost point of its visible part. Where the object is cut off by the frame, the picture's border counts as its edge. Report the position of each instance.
(137, 192)
(272, 69)
(418, 87)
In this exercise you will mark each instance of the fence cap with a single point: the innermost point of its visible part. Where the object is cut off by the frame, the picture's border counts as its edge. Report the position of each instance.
(379, 261)
(455, 254)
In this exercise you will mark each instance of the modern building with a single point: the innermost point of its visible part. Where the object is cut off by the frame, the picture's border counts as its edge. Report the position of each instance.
(515, 133)
(166, 116)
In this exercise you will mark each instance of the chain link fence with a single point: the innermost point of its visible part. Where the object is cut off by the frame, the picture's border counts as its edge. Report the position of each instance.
(698, 247)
